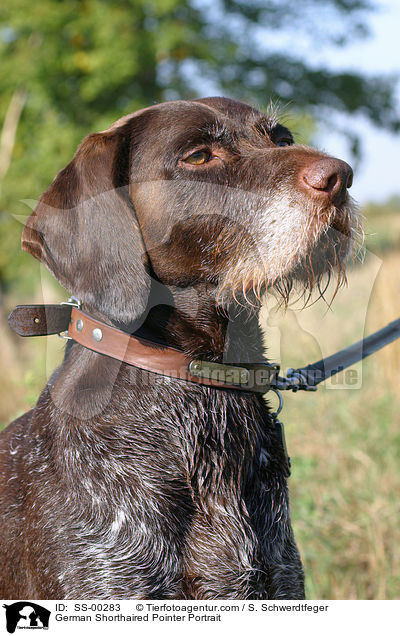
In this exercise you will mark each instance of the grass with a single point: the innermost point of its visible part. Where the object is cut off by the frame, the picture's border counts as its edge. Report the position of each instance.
(344, 491)
(344, 440)
(345, 447)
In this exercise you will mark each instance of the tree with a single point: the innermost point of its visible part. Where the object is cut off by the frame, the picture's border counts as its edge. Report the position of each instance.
(77, 65)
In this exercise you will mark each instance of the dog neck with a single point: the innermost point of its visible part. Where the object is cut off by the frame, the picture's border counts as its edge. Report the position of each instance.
(191, 320)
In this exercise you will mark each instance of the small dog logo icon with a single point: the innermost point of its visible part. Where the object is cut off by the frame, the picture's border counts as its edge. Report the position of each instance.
(26, 615)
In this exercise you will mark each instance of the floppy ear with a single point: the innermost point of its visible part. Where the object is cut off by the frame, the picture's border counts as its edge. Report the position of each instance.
(84, 228)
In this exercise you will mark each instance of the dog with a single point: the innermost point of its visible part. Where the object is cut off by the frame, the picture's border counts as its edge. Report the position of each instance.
(170, 225)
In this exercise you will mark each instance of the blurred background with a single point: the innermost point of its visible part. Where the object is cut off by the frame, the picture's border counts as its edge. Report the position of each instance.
(72, 67)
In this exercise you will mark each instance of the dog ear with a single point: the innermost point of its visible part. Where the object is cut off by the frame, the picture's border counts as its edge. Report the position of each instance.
(84, 228)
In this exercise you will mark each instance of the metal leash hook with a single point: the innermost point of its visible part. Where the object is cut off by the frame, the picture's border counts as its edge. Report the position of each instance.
(280, 398)
(280, 427)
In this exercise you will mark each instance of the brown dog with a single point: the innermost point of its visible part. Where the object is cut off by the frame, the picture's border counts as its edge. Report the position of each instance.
(170, 224)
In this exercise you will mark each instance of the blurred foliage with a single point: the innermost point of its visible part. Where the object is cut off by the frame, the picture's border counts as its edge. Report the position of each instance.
(81, 64)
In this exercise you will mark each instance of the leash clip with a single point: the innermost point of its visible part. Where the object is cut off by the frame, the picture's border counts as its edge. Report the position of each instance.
(280, 398)
(298, 381)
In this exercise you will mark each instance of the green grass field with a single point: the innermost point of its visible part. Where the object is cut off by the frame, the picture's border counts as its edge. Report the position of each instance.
(344, 442)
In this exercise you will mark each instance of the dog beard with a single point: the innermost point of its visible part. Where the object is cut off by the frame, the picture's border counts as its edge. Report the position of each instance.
(306, 261)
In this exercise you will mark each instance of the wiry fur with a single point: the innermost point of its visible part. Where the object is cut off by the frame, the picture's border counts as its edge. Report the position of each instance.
(124, 484)
(197, 503)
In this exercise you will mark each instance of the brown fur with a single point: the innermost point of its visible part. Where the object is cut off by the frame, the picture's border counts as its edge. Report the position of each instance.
(124, 485)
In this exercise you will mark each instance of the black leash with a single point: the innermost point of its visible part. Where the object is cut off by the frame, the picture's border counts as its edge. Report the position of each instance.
(307, 378)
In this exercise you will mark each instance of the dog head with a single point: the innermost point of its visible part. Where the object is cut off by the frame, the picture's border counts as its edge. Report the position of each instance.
(208, 191)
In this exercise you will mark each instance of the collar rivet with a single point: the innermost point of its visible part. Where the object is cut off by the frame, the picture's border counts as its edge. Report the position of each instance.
(97, 335)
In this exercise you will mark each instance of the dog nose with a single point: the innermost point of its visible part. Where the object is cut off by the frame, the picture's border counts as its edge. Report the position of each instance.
(329, 177)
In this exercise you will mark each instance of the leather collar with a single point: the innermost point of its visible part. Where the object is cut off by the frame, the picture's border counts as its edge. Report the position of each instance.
(35, 320)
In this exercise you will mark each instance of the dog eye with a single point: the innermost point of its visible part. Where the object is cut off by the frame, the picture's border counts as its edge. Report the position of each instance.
(284, 142)
(199, 157)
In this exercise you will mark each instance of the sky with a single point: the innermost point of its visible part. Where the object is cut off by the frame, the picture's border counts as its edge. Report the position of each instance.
(378, 175)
